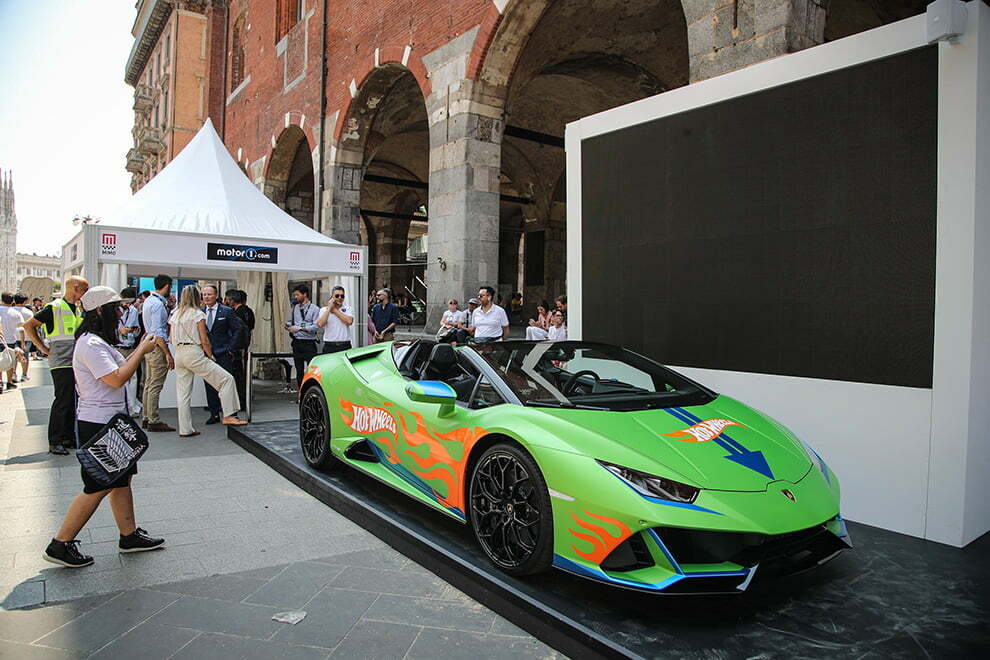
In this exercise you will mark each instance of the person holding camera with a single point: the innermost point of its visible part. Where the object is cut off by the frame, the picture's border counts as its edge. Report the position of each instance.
(336, 319)
(101, 373)
(303, 330)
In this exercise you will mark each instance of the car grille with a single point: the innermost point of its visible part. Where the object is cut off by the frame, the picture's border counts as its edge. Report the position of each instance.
(630, 555)
(691, 546)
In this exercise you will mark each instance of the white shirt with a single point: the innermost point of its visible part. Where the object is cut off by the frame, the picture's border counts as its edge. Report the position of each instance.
(25, 314)
(453, 317)
(335, 330)
(11, 318)
(490, 323)
(206, 315)
(93, 359)
(557, 334)
(184, 330)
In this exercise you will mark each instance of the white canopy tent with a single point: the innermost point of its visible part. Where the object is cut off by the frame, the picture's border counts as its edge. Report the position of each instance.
(202, 218)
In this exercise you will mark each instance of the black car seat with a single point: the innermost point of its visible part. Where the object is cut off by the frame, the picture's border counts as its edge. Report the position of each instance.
(442, 364)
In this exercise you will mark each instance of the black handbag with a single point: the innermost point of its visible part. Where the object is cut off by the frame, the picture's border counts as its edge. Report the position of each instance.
(113, 450)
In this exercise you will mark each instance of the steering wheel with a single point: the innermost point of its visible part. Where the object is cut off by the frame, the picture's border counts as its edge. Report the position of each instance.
(572, 381)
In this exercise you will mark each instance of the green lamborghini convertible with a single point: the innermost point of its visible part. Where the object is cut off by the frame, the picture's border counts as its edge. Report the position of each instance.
(579, 455)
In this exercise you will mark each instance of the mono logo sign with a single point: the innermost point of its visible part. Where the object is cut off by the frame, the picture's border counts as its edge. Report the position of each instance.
(249, 253)
(108, 244)
(355, 260)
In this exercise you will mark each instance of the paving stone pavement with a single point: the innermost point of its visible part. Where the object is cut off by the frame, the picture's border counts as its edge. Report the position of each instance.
(243, 544)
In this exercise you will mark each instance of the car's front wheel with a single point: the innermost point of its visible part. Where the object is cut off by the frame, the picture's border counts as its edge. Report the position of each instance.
(314, 429)
(510, 510)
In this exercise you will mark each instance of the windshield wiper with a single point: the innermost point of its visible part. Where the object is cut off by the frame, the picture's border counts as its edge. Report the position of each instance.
(557, 404)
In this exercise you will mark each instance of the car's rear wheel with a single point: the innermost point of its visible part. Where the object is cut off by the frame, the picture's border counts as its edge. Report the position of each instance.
(314, 429)
(510, 510)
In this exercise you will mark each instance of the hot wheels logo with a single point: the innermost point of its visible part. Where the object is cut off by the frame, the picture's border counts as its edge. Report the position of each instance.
(371, 420)
(703, 431)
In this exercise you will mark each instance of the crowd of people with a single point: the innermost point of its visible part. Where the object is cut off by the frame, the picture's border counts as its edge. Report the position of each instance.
(485, 320)
(111, 352)
(14, 312)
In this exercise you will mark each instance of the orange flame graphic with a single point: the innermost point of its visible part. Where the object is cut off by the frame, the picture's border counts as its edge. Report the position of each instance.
(384, 434)
(603, 542)
(703, 431)
(312, 373)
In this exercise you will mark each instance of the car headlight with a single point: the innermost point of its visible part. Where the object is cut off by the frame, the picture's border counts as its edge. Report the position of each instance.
(650, 485)
(816, 460)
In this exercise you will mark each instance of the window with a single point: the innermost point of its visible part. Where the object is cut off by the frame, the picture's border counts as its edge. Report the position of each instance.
(165, 109)
(571, 374)
(287, 14)
(168, 44)
(237, 54)
(485, 395)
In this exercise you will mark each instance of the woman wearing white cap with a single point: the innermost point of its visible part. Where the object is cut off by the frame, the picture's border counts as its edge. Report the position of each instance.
(101, 373)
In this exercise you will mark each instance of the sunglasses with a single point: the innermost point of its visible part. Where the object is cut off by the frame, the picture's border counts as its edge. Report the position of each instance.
(338, 296)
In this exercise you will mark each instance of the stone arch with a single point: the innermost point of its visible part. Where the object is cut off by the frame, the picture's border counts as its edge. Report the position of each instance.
(543, 63)
(380, 171)
(290, 180)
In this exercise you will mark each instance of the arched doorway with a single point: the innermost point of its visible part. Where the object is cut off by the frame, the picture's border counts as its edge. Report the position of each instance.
(290, 182)
(385, 141)
(553, 62)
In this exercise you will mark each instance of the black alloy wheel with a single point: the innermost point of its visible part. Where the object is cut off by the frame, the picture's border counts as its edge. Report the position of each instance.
(314, 429)
(510, 510)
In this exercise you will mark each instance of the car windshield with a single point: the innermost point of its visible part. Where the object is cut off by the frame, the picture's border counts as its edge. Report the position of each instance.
(574, 374)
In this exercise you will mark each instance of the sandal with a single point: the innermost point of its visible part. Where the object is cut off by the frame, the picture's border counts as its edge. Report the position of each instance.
(189, 435)
(232, 421)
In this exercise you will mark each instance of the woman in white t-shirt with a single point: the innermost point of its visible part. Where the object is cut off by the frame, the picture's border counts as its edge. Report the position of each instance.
(100, 372)
(449, 322)
(336, 319)
(194, 356)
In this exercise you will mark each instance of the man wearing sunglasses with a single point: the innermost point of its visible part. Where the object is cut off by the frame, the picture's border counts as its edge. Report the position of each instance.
(336, 319)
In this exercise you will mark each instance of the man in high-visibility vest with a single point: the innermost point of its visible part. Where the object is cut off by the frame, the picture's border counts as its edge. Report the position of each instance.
(60, 318)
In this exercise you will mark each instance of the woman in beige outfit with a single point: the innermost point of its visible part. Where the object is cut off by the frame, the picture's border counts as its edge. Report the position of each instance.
(194, 356)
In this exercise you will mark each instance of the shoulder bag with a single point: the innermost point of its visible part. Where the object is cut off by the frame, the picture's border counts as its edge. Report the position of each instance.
(114, 449)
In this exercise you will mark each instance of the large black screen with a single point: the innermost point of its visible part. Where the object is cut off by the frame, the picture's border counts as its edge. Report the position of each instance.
(790, 231)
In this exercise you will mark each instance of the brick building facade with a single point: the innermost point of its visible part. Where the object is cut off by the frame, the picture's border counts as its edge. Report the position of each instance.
(450, 114)
(168, 69)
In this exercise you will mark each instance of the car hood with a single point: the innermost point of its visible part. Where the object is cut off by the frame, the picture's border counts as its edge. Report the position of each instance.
(723, 445)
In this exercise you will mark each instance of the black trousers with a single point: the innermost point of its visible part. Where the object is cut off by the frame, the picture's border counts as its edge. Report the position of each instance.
(335, 347)
(239, 371)
(303, 350)
(62, 420)
(225, 360)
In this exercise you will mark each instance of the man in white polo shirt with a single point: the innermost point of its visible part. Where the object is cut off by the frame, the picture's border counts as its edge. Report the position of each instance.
(489, 322)
(336, 319)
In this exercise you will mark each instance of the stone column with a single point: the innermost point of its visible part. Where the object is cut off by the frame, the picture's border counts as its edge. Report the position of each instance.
(725, 35)
(465, 153)
(342, 208)
(342, 174)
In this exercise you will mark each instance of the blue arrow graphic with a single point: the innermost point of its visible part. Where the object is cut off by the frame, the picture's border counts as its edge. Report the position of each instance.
(754, 460)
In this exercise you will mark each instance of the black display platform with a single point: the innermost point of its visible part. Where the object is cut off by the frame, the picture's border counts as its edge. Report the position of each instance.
(892, 596)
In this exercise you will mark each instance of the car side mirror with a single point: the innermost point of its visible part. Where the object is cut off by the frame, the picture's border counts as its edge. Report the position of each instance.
(433, 391)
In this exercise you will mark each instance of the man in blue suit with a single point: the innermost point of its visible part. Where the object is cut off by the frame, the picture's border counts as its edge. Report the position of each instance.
(226, 333)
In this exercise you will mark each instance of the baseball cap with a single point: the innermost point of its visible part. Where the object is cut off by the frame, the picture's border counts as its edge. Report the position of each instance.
(98, 296)
(473, 301)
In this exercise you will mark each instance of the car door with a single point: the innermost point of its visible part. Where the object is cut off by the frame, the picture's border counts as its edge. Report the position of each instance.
(435, 440)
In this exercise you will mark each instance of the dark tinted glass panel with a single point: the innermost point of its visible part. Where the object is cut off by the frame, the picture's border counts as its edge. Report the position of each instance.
(789, 232)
